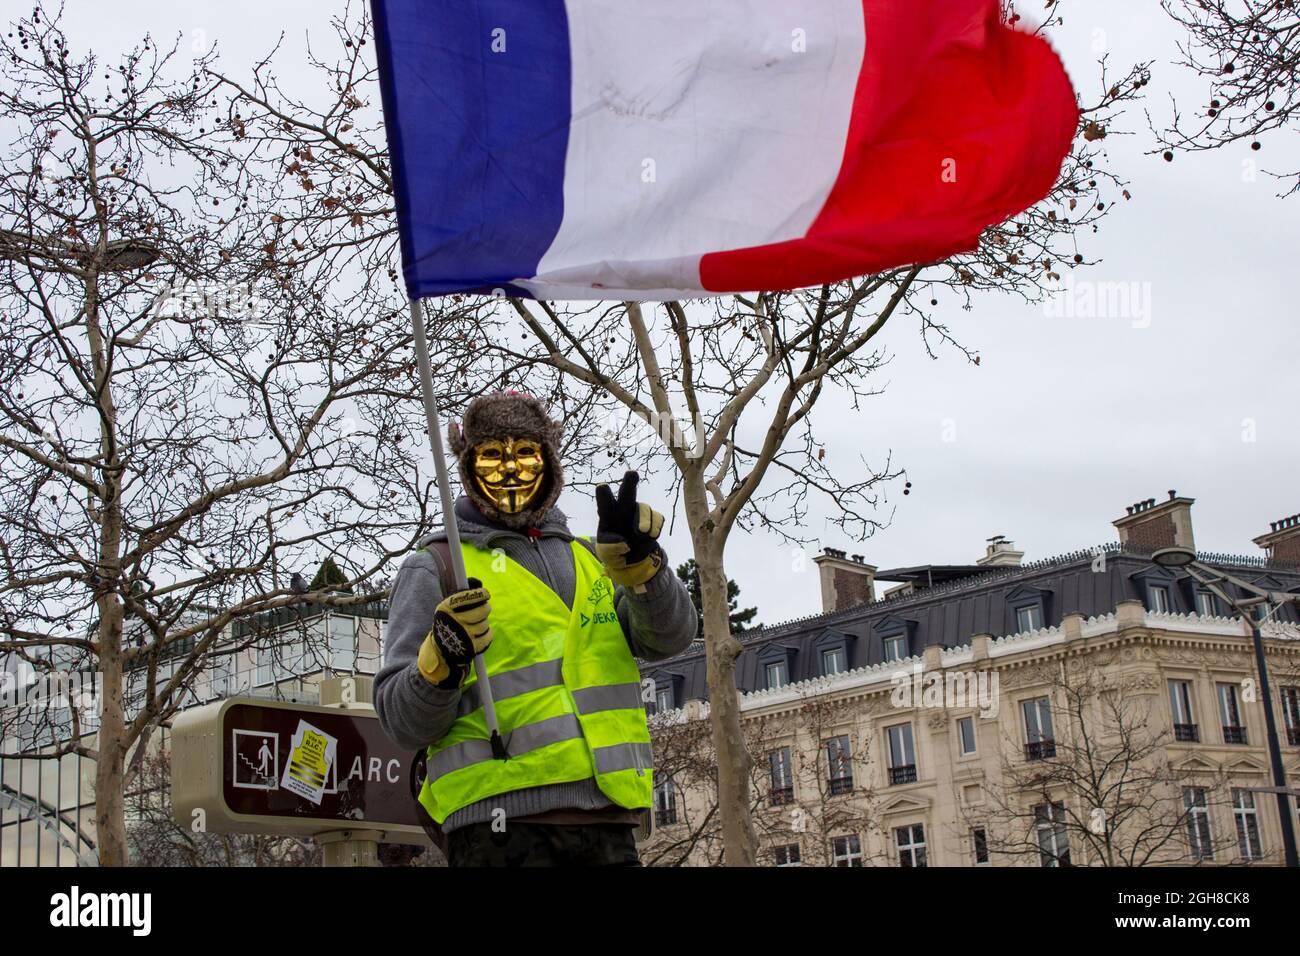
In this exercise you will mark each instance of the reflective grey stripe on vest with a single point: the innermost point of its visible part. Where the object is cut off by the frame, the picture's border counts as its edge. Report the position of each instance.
(623, 757)
(590, 700)
(521, 680)
(552, 730)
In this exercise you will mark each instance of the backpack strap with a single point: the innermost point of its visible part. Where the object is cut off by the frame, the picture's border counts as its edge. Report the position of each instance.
(587, 543)
(416, 774)
(441, 552)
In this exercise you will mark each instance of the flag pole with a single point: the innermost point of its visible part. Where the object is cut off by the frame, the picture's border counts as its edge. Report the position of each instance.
(449, 512)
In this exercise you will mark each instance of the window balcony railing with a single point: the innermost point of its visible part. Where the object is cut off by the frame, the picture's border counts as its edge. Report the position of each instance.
(1040, 750)
(1186, 733)
(1293, 736)
(904, 774)
(841, 785)
(1234, 735)
(782, 795)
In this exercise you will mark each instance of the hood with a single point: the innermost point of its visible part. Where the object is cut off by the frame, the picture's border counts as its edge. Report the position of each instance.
(478, 530)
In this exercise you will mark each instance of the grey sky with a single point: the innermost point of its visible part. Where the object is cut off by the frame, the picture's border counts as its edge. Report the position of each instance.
(1066, 420)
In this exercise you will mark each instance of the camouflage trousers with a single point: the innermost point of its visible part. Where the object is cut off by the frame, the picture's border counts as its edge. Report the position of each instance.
(542, 844)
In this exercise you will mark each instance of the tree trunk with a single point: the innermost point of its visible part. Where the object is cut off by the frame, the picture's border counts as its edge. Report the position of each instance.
(721, 650)
(110, 780)
(110, 799)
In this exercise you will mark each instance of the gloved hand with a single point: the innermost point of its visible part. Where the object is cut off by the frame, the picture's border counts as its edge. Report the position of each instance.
(460, 630)
(626, 533)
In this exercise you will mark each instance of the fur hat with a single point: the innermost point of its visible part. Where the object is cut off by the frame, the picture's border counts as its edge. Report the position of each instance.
(504, 415)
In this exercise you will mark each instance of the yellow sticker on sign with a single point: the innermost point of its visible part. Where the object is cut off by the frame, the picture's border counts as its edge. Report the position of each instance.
(312, 755)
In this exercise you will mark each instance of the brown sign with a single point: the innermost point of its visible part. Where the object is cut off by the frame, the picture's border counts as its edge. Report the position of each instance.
(366, 781)
(250, 766)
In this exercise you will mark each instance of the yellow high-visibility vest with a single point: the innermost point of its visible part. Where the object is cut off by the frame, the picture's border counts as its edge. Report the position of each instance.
(567, 694)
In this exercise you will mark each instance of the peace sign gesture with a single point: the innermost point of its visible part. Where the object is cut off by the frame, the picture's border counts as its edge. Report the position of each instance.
(626, 533)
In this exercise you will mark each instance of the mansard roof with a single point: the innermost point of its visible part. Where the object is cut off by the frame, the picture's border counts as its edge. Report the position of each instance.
(1090, 582)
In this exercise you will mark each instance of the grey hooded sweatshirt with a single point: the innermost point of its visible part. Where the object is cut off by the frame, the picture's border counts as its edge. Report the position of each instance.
(658, 623)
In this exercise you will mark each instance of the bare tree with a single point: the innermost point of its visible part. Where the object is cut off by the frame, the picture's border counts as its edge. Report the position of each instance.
(830, 794)
(187, 418)
(1102, 792)
(686, 813)
(1247, 55)
(800, 802)
(155, 839)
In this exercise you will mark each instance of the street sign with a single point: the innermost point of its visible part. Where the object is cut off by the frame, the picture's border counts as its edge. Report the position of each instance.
(260, 766)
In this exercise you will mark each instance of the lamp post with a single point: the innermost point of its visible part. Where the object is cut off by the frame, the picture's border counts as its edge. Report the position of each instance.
(1214, 580)
(120, 255)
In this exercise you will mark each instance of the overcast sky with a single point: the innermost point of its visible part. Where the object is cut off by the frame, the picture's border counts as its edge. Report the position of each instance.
(1066, 420)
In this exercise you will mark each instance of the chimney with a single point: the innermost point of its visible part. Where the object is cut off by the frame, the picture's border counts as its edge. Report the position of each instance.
(1001, 553)
(1282, 541)
(847, 580)
(1149, 526)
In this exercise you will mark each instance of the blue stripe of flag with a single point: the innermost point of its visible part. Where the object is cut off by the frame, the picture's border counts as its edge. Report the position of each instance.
(477, 135)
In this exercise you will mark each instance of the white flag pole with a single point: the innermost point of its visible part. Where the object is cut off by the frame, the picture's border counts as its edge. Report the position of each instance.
(448, 511)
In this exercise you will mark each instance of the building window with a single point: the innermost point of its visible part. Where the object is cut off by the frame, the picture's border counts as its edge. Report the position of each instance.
(910, 841)
(1180, 705)
(979, 840)
(1234, 728)
(265, 669)
(1053, 837)
(787, 855)
(343, 642)
(1029, 617)
(1040, 743)
(1243, 811)
(782, 777)
(1291, 714)
(777, 674)
(312, 652)
(1198, 823)
(1159, 598)
(665, 692)
(895, 647)
(839, 765)
(966, 735)
(902, 754)
(665, 802)
(1206, 605)
(833, 661)
(846, 850)
(222, 672)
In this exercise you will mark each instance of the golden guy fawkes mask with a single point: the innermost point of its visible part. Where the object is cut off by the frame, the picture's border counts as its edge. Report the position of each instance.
(510, 472)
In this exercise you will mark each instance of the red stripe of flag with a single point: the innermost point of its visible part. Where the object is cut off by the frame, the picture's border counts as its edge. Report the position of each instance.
(943, 82)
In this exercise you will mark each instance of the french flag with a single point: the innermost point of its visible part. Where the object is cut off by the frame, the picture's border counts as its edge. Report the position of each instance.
(664, 149)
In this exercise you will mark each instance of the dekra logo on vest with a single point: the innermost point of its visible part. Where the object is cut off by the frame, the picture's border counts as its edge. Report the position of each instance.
(601, 593)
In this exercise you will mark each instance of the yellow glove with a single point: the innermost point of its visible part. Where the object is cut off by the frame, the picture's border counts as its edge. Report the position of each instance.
(460, 630)
(626, 535)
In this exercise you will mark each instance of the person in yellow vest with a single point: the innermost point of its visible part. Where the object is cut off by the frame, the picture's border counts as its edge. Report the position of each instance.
(560, 621)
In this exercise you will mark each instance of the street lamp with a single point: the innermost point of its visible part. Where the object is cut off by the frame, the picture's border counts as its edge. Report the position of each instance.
(120, 255)
(1185, 559)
